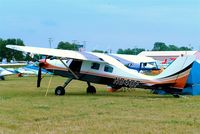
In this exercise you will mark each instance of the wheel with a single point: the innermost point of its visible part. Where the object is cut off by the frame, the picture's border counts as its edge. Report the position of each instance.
(115, 88)
(91, 90)
(59, 91)
(176, 95)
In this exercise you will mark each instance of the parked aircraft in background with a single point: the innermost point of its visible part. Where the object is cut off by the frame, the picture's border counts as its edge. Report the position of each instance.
(108, 70)
(8, 71)
(139, 63)
(30, 69)
(21, 69)
(4, 72)
(13, 64)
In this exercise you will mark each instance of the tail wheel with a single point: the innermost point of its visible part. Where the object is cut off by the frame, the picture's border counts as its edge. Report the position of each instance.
(176, 95)
(114, 88)
(91, 90)
(59, 91)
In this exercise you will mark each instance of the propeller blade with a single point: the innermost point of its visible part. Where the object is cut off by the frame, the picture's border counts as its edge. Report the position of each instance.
(39, 76)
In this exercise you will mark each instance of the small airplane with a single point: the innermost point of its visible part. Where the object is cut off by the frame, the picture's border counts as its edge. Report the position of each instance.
(30, 69)
(108, 70)
(7, 70)
(4, 72)
(139, 63)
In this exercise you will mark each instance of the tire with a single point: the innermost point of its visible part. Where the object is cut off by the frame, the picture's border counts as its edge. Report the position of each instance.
(59, 91)
(176, 95)
(91, 90)
(115, 88)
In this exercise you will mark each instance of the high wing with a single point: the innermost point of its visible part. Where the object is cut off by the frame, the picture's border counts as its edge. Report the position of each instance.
(69, 54)
(113, 59)
(57, 53)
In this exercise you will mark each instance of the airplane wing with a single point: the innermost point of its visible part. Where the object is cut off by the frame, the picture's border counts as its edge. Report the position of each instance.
(57, 53)
(87, 56)
(13, 64)
(4, 72)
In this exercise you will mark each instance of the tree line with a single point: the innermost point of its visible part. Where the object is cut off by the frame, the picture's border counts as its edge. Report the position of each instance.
(158, 46)
(16, 55)
(8, 53)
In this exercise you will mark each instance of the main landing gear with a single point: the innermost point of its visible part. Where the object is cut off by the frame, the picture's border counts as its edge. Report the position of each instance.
(91, 89)
(60, 90)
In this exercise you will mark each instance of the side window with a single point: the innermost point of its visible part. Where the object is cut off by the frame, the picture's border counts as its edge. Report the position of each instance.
(95, 66)
(108, 69)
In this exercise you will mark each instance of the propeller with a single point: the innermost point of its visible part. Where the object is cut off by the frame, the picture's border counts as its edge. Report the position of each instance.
(39, 78)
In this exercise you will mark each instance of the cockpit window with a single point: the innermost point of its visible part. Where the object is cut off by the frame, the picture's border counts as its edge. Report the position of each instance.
(95, 66)
(108, 69)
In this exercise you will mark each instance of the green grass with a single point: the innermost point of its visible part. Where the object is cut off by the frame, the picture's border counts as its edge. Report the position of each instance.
(25, 109)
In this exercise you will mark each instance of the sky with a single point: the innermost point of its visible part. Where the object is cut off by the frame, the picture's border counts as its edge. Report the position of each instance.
(102, 24)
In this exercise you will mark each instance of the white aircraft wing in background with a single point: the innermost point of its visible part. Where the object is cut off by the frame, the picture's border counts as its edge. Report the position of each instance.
(4, 72)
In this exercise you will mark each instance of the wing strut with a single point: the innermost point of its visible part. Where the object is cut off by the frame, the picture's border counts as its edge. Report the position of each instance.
(69, 69)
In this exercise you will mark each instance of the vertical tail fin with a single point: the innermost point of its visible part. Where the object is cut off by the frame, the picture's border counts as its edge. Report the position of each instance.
(183, 74)
(178, 72)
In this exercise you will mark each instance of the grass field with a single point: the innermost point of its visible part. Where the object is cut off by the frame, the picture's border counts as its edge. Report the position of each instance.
(25, 109)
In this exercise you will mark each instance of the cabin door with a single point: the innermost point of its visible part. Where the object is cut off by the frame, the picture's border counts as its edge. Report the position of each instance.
(75, 66)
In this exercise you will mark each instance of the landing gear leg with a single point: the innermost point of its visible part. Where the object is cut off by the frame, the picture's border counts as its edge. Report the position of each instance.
(91, 89)
(60, 90)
